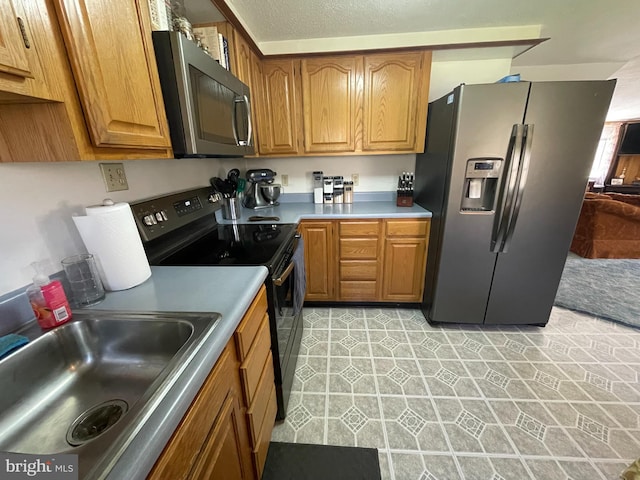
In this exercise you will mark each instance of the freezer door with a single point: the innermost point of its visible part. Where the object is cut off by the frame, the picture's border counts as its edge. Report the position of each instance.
(567, 118)
(485, 116)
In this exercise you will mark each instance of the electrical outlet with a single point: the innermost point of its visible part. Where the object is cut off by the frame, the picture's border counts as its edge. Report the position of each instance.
(355, 178)
(114, 177)
(284, 180)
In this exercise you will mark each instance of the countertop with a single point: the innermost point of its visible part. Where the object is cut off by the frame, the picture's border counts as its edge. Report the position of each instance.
(225, 290)
(293, 212)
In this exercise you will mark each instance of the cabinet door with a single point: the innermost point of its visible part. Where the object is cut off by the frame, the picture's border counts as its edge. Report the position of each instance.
(112, 58)
(396, 88)
(222, 455)
(319, 259)
(212, 439)
(279, 119)
(242, 58)
(13, 56)
(330, 102)
(404, 269)
(255, 72)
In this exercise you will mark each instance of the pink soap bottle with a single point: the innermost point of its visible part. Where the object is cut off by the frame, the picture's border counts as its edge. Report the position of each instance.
(48, 301)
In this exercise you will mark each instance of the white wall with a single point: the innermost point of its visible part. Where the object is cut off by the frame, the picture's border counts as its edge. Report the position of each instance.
(37, 201)
(378, 173)
(445, 76)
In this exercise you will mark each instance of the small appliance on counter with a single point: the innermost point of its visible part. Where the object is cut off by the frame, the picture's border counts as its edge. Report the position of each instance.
(255, 197)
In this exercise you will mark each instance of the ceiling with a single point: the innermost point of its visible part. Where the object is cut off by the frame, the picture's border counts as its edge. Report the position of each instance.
(587, 38)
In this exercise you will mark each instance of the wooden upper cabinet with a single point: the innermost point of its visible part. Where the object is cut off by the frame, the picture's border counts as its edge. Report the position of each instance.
(111, 53)
(396, 89)
(279, 109)
(242, 59)
(22, 44)
(330, 91)
(13, 56)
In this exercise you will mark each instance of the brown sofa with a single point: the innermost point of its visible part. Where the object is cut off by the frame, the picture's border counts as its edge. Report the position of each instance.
(608, 227)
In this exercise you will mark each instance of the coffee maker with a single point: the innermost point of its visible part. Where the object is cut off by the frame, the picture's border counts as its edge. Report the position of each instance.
(253, 197)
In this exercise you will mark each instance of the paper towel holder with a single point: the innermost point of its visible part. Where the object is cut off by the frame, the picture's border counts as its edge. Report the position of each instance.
(480, 184)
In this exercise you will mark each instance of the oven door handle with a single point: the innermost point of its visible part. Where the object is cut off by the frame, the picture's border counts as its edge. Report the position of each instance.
(282, 278)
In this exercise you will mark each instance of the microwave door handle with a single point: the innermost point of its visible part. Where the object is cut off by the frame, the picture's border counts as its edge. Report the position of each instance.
(249, 125)
(245, 100)
(234, 120)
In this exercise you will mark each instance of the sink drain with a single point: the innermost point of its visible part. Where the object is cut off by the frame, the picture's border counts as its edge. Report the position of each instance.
(95, 421)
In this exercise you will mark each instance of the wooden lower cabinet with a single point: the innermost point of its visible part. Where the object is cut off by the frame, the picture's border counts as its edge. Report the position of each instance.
(375, 260)
(359, 268)
(319, 259)
(405, 259)
(212, 440)
(225, 433)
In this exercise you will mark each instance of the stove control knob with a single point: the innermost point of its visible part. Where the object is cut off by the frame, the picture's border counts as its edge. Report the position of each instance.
(164, 215)
(148, 220)
(159, 217)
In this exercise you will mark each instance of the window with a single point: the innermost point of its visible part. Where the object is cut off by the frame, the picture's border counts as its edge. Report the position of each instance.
(605, 153)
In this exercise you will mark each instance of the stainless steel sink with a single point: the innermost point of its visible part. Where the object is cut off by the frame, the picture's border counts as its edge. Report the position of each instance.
(86, 386)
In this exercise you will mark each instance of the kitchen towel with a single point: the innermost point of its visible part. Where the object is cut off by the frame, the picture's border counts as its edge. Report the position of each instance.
(109, 232)
(300, 287)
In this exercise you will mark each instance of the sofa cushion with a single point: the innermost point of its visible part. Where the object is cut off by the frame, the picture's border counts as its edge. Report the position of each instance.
(626, 198)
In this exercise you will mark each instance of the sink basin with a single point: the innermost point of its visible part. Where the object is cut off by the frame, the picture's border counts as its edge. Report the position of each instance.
(85, 387)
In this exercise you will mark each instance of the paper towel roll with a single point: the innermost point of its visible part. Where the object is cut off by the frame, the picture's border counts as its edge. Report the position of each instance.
(109, 232)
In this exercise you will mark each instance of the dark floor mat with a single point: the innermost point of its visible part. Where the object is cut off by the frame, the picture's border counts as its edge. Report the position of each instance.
(300, 461)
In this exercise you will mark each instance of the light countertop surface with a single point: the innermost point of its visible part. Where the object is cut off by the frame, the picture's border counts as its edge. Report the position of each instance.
(293, 212)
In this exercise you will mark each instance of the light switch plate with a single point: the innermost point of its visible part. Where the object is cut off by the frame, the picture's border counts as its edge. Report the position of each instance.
(114, 177)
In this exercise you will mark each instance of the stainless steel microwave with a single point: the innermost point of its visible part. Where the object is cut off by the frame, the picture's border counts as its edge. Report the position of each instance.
(208, 109)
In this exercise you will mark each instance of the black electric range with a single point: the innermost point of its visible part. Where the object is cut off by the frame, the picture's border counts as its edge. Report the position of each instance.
(180, 230)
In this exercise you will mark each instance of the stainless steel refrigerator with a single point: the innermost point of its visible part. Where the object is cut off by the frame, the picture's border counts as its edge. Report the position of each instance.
(504, 172)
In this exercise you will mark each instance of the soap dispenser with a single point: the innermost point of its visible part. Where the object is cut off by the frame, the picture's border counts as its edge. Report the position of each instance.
(48, 300)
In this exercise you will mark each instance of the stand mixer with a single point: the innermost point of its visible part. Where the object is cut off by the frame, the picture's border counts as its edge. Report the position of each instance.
(254, 196)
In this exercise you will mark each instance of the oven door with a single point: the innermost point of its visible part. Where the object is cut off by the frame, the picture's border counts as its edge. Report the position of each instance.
(288, 325)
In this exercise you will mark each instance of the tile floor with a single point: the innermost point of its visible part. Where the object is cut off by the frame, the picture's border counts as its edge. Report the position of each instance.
(463, 402)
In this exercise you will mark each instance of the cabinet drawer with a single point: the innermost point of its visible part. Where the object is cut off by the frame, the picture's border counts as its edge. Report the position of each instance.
(262, 445)
(407, 228)
(361, 228)
(252, 366)
(358, 290)
(258, 409)
(246, 331)
(366, 248)
(358, 269)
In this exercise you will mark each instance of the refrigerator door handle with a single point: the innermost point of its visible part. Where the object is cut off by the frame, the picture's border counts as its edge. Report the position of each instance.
(507, 189)
(522, 182)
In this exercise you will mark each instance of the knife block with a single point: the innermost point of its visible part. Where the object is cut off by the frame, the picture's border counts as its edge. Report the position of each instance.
(404, 201)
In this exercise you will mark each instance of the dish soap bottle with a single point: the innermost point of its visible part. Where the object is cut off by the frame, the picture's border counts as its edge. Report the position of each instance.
(48, 300)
